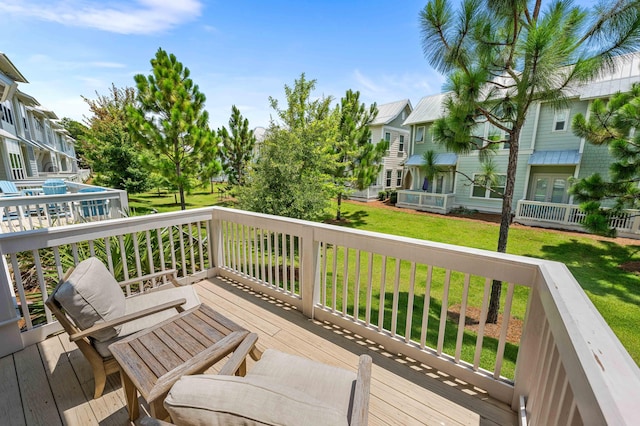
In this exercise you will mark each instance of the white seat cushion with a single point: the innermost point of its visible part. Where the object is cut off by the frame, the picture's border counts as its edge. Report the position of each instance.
(234, 401)
(91, 295)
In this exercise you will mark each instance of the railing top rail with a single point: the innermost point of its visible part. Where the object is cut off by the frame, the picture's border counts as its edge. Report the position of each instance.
(589, 349)
(49, 237)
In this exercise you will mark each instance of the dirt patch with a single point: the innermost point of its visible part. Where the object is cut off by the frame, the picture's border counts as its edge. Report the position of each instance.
(631, 266)
(472, 323)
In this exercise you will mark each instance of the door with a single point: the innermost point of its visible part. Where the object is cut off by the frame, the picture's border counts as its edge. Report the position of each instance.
(16, 162)
(550, 188)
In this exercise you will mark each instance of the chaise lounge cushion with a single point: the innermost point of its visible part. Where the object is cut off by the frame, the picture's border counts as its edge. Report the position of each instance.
(281, 389)
(91, 295)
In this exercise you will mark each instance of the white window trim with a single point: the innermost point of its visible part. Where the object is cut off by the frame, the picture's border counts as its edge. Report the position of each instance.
(424, 136)
(560, 115)
(388, 178)
(399, 178)
(487, 192)
(401, 143)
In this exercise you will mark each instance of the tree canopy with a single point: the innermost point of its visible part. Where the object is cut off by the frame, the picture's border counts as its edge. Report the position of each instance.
(500, 57)
(611, 124)
(237, 147)
(170, 121)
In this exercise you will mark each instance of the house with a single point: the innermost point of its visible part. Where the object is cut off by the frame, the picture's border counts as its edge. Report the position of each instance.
(388, 125)
(550, 156)
(33, 143)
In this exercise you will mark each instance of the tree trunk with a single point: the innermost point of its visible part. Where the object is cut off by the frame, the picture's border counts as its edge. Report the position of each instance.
(505, 222)
(338, 213)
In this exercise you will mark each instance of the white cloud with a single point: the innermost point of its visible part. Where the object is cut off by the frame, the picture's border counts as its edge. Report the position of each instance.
(394, 87)
(123, 17)
(107, 65)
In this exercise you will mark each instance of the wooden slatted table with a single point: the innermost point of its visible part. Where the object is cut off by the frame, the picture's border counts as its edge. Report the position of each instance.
(152, 360)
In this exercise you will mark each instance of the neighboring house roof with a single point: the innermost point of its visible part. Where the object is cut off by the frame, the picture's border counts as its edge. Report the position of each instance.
(428, 109)
(388, 112)
(28, 100)
(10, 70)
(555, 158)
(8, 135)
(444, 159)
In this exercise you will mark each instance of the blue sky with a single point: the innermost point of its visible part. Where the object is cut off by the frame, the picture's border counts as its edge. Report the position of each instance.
(239, 52)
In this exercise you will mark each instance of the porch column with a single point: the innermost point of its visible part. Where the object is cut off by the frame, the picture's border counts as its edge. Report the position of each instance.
(10, 335)
(310, 262)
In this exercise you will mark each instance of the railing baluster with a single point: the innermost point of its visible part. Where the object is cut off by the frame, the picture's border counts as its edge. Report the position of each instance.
(150, 256)
(42, 283)
(161, 253)
(263, 275)
(506, 316)
(74, 253)
(92, 249)
(323, 276)
(183, 257)
(412, 284)
(334, 278)
(367, 319)
(425, 307)
(270, 236)
(201, 246)
(383, 279)
(483, 320)
(136, 251)
(125, 265)
(552, 399)
(443, 311)
(356, 288)
(24, 307)
(292, 263)
(396, 291)
(107, 249)
(463, 317)
(345, 282)
(277, 258)
(253, 272)
(172, 247)
(284, 261)
(192, 249)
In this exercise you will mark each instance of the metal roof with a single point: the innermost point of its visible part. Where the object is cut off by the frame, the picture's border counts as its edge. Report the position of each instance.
(428, 109)
(10, 70)
(555, 158)
(388, 112)
(8, 135)
(445, 159)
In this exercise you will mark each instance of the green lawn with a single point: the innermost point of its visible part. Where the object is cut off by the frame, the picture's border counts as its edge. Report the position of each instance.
(594, 263)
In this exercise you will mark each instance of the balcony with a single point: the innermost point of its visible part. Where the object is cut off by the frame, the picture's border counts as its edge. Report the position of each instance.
(426, 201)
(80, 203)
(569, 216)
(331, 293)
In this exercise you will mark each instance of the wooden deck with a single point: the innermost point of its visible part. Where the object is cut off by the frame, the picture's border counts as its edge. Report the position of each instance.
(51, 383)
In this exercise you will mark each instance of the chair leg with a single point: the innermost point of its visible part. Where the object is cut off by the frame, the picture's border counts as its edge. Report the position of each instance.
(100, 378)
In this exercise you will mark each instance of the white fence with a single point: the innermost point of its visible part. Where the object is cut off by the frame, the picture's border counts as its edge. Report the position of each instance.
(398, 292)
(569, 216)
(427, 201)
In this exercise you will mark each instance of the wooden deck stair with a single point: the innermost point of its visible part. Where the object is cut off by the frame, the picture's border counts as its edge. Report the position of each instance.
(51, 383)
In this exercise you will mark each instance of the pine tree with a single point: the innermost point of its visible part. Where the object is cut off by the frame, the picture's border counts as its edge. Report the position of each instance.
(501, 57)
(358, 161)
(171, 122)
(237, 147)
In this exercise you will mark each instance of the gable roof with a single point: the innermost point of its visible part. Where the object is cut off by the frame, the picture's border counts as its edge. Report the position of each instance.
(428, 109)
(388, 112)
(10, 70)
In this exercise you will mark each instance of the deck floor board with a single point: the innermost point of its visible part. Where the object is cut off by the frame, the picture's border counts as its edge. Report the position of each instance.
(402, 391)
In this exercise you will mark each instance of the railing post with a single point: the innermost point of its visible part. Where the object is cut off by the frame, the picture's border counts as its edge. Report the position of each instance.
(215, 242)
(310, 288)
(124, 201)
(9, 331)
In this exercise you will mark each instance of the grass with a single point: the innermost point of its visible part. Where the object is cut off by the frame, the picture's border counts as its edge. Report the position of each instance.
(593, 262)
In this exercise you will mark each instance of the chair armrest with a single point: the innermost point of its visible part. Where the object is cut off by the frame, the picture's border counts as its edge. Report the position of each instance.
(360, 410)
(198, 364)
(239, 355)
(170, 272)
(127, 318)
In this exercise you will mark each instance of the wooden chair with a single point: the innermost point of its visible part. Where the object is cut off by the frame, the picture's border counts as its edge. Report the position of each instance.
(280, 389)
(140, 311)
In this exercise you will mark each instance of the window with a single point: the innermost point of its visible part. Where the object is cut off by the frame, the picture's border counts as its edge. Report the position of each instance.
(480, 191)
(388, 179)
(506, 136)
(387, 136)
(398, 178)
(7, 115)
(419, 134)
(561, 120)
(401, 144)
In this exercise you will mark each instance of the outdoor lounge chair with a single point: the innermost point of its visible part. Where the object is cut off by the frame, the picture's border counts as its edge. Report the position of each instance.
(91, 307)
(281, 389)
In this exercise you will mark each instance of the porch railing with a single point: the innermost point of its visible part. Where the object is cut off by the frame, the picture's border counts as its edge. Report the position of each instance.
(369, 193)
(569, 216)
(420, 200)
(398, 292)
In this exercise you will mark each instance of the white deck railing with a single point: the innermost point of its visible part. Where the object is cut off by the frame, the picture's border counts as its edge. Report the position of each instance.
(397, 292)
(428, 201)
(569, 216)
(369, 193)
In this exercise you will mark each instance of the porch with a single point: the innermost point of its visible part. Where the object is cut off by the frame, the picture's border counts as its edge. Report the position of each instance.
(426, 201)
(331, 293)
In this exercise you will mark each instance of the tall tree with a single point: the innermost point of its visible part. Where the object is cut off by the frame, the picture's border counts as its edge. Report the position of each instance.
(169, 120)
(613, 124)
(107, 146)
(77, 130)
(501, 57)
(237, 147)
(358, 161)
(291, 177)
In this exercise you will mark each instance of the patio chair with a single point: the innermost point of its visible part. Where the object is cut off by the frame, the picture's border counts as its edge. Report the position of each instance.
(281, 389)
(91, 307)
(9, 189)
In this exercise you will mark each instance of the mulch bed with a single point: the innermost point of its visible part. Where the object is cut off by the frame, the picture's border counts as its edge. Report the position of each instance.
(472, 323)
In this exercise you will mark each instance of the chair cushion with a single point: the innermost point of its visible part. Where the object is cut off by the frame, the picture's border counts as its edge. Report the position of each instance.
(91, 295)
(235, 401)
(332, 385)
(148, 300)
